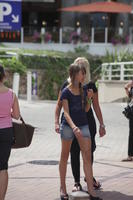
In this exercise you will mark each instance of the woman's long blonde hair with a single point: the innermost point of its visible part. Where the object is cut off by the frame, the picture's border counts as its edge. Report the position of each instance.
(83, 62)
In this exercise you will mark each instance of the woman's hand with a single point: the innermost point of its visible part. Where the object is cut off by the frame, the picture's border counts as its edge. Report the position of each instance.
(77, 131)
(57, 127)
(102, 130)
(90, 93)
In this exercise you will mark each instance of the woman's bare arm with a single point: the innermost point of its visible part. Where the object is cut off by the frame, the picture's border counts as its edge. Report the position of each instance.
(57, 113)
(66, 113)
(128, 86)
(98, 112)
(15, 108)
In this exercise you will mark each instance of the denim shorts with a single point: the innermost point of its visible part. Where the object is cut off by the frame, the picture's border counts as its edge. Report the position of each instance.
(67, 132)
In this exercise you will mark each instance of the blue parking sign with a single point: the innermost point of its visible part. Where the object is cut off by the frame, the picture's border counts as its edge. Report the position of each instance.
(10, 15)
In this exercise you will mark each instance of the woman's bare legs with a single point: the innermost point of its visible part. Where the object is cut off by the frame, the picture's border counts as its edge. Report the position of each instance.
(3, 183)
(63, 163)
(85, 146)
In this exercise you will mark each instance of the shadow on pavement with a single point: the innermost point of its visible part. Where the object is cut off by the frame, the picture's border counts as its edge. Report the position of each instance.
(111, 195)
(103, 162)
(114, 195)
(44, 162)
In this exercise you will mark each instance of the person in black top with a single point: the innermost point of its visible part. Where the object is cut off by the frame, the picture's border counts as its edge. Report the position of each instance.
(75, 149)
(129, 92)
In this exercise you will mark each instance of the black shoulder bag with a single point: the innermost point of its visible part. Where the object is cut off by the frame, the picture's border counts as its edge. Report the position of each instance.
(23, 134)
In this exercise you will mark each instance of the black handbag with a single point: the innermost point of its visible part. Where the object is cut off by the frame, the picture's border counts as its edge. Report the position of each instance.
(128, 111)
(23, 134)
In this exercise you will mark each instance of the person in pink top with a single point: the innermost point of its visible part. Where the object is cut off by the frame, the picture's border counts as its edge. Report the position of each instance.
(9, 108)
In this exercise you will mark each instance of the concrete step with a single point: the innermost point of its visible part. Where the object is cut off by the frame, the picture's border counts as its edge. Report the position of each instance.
(79, 195)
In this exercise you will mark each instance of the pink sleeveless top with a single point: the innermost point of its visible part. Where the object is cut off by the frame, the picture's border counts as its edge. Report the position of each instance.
(6, 102)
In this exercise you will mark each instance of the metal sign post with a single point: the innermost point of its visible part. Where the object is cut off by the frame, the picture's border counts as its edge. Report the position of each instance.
(29, 86)
(16, 79)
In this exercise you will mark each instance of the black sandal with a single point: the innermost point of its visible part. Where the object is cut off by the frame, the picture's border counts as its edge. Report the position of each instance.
(77, 187)
(95, 198)
(64, 197)
(96, 184)
(128, 159)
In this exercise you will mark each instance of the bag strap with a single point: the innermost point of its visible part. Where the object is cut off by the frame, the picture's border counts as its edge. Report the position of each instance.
(21, 118)
(13, 98)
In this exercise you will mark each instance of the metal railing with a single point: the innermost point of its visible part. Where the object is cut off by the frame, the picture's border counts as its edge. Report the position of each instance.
(9, 55)
(117, 71)
(71, 35)
(37, 34)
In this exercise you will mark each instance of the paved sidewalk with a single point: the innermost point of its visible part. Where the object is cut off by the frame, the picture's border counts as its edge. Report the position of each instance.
(33, 172)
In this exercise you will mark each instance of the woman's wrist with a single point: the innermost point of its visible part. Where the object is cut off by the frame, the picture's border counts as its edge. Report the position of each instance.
(102, 126)
(75, 128)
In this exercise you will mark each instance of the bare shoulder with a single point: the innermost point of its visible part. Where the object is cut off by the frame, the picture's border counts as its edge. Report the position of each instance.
(129, 84)
(4, 89)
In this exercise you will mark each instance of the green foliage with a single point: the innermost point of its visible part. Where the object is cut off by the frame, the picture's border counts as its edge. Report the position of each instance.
(122, 56)
(43, 61)
(79, 51)
(14, 65)
(2, 45)
(95, 67)
(55, 68)
(2, 53)
(27, 52)
(33, 62)
(53, 78)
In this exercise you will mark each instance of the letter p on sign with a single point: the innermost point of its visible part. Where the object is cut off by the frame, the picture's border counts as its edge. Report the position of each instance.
(5, 9)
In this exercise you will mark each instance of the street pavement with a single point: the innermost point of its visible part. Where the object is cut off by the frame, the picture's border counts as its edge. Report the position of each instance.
(33, 171)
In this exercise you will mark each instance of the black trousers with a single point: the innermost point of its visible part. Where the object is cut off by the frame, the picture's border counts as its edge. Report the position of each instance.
(75, 157)
(130, 138)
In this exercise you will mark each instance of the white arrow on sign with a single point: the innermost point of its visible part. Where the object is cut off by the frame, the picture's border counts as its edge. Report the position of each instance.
(15, 19)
